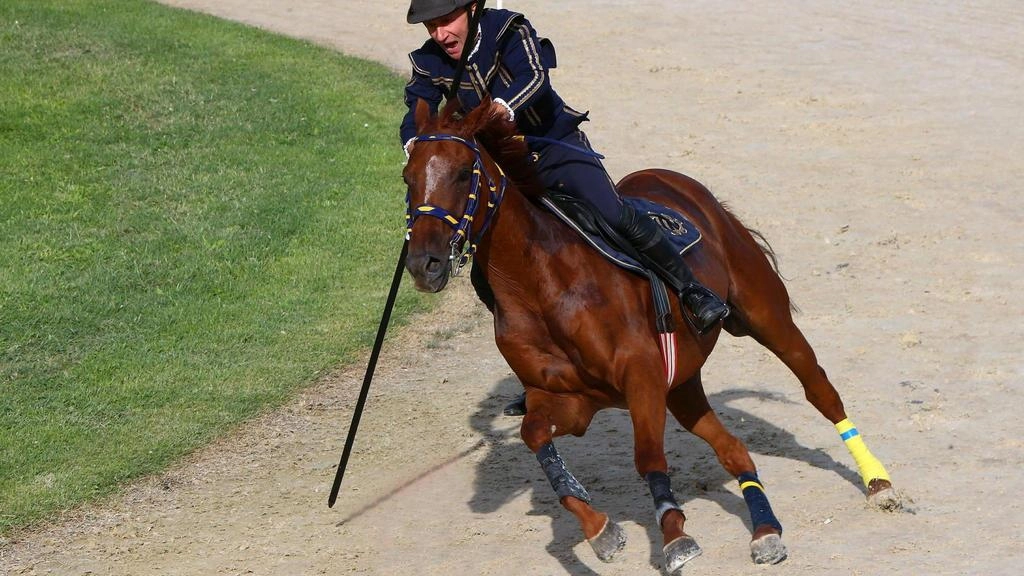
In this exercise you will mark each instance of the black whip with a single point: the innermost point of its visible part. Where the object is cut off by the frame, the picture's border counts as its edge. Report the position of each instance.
(396, 281)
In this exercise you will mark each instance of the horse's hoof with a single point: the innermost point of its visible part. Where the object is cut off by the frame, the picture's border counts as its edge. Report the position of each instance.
(768, 549)
(890, 500)
(608, 542)
(679, 552)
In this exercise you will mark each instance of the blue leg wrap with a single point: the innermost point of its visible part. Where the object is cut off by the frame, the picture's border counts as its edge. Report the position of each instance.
(562, 481)
(661, 491)
(757, 501)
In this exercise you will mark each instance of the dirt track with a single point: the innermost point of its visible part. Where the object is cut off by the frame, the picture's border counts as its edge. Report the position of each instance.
(878, 147)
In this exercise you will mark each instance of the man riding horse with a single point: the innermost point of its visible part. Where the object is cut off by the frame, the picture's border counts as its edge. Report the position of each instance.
(581, 350)
(509, 63)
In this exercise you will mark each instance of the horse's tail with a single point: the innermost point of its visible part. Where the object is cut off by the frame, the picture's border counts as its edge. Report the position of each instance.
(765, 247)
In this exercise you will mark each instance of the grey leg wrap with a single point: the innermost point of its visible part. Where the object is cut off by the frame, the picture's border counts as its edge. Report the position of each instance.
(562, 481)
(661, 491)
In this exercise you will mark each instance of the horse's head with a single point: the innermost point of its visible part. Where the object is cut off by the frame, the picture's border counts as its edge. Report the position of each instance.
(448, 178)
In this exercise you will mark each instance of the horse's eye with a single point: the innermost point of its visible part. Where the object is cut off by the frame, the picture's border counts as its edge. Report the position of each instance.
(465, 174)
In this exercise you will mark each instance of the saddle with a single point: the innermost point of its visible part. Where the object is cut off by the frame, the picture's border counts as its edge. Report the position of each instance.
(595, 230)
(581, 217)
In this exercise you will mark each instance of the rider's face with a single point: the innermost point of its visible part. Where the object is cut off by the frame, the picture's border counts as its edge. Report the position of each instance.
(450, 31)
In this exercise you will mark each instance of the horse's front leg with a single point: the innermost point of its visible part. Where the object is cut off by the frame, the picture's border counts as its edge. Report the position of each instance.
(647, 409)
(547, 416)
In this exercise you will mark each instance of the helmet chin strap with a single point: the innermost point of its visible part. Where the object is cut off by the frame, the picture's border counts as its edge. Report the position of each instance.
(474, 27)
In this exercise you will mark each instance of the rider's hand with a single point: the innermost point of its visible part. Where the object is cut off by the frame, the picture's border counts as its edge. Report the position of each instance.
(501, 109)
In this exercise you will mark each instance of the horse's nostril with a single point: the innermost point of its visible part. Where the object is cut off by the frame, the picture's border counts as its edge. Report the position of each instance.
(433, 265)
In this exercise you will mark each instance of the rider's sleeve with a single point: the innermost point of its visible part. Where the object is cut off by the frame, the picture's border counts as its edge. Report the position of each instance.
(420, 86)
(526, 59)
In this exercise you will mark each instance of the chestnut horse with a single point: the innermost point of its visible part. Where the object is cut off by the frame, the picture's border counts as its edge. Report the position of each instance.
(580, 334)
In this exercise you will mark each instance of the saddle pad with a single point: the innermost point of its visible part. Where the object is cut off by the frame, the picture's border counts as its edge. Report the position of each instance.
(683, 234)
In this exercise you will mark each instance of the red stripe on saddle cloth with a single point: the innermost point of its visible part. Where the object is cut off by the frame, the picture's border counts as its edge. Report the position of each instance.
(667, 341)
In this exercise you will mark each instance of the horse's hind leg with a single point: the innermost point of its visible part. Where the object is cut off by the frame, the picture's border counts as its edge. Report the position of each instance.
(604, 535)
(689, 405)
(763, 308)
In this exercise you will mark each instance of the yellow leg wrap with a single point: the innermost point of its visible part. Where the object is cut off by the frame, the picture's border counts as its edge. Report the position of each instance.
(870, 467)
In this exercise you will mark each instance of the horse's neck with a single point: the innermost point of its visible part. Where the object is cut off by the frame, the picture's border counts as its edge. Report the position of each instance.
(520, 238)
(515, 223)
(514, 243)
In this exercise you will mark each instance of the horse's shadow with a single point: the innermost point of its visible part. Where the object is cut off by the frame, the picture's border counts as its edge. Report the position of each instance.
(606, 468)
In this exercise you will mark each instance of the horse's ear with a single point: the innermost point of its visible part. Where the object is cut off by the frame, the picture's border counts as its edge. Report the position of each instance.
(422, 114)
(452, 108)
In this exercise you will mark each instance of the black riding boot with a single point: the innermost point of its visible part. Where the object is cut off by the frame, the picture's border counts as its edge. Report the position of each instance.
(659, 254)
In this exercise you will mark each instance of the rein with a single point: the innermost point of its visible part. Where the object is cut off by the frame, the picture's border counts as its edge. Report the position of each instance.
(558, 142)
(463, 246)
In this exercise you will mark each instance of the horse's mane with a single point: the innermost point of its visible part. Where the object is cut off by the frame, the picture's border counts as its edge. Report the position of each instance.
(508, 148)
(497, 135)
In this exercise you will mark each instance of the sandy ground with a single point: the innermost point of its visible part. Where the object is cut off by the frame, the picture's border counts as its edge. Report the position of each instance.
(877, 145)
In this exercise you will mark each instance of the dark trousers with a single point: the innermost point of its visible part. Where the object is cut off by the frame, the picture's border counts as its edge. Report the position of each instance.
(581, 176)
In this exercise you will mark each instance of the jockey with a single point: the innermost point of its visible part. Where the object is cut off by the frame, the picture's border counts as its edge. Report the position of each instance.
(510, 63)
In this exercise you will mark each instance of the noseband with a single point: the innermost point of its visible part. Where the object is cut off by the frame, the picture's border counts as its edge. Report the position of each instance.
(461, 249)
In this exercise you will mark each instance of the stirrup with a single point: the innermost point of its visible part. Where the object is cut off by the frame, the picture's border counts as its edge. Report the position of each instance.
(707, 308)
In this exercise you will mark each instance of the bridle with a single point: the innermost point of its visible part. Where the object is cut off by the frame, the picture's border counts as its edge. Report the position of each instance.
(463, 246)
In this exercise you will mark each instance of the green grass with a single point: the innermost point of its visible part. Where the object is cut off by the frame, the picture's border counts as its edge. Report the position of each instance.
(196, 219)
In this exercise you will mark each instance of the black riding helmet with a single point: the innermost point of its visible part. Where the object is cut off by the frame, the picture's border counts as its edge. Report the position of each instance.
(424, 10)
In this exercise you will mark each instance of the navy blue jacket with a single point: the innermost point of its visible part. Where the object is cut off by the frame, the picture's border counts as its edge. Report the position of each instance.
(510, 62)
